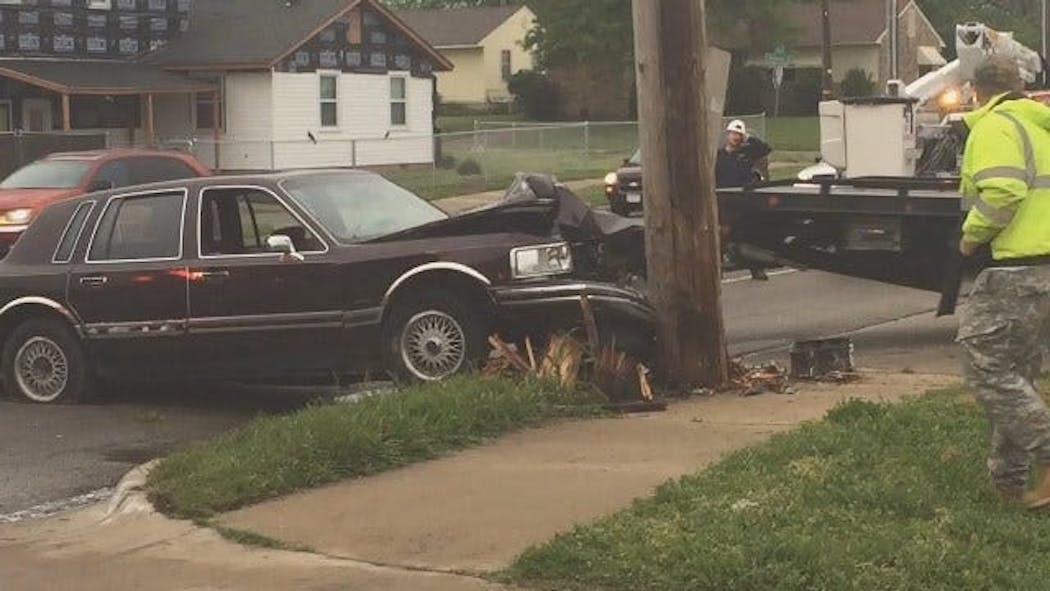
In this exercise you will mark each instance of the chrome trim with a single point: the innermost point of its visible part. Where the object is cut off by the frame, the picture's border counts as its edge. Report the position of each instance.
(91, 207)
(137, 329)
(182, 227)
(327, 319)
(41, 301)
(200, 217)
(438, 266)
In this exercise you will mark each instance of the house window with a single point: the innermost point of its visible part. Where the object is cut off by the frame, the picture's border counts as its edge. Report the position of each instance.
(329, 101)
(504, 64)
(205, 107)
(398, 101)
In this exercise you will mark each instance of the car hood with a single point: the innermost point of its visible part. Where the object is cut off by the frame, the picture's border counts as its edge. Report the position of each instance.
(32, 198)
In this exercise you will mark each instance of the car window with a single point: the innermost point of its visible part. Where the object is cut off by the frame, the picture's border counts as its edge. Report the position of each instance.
(238, 221)
(159, 169)
(68, 242)
(140, 227)
(636, 158)
(48, 174)
(355, 207)
(117, 172)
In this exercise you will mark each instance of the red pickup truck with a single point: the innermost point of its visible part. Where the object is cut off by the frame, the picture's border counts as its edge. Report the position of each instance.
(61, 176)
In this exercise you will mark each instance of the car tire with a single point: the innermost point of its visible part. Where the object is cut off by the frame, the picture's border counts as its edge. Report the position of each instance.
(433, 335)
(44, 363)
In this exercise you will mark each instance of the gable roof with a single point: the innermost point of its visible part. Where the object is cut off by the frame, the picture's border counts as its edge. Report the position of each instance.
(244, 34)
(457, 26)
(853, 22)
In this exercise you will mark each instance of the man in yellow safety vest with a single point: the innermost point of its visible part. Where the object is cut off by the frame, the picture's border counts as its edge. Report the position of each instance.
(1006, 324)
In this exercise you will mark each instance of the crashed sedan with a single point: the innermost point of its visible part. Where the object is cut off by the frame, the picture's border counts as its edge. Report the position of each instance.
(298, 275)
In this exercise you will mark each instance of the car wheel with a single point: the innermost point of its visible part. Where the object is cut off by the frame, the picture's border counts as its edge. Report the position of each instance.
(44, 363)
(433, 335)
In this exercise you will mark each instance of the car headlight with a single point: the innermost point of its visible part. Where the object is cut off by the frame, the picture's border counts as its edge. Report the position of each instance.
(16, 217)
(612, 178)
(539, 261)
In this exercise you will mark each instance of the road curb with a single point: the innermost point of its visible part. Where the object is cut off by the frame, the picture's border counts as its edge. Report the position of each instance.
(129, 496)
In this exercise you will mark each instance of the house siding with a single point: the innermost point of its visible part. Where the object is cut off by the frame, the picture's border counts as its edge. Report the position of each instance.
(465, 84)
(363, 121)
(508, 36)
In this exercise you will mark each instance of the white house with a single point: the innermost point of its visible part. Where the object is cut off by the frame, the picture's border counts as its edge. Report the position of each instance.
(254, 85)
(313, 83)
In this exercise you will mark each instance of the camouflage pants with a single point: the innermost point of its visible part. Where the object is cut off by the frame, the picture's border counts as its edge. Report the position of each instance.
(1003, 331)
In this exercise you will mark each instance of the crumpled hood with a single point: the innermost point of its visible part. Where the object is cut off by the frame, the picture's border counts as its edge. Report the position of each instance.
(1024, 109)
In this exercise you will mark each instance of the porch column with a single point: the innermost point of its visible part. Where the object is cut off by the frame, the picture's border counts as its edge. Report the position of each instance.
(216, 127)
(151, 131)
(67, 125)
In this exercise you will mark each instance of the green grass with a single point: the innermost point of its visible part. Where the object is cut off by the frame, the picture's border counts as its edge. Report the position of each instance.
(323, 444)
(455, 123)
(876, 497)
(793, 134)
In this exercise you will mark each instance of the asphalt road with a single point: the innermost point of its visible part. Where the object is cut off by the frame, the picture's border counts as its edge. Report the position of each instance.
(53, 453)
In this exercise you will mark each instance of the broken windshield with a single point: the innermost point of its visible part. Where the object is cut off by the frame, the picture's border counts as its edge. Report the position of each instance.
(355, 207)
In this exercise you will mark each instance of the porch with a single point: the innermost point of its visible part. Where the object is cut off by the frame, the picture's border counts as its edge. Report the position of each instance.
(132, 104)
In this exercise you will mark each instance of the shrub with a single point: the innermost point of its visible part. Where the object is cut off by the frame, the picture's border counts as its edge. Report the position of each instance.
(447, 162)
(858, 82)
(534, 94)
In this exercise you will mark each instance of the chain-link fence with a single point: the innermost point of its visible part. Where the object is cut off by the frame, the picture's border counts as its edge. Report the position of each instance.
(436, 166)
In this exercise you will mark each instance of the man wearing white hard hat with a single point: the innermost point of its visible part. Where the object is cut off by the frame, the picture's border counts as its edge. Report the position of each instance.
(736, 161)
(735, 165)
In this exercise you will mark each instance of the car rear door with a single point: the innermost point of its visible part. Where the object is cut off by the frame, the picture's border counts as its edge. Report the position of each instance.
(254, 312)
(130, 287)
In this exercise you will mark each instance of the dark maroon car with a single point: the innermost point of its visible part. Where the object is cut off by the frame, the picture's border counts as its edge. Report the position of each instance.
(295, 275)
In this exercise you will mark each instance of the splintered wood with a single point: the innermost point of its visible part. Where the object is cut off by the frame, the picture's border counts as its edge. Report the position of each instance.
(568, 361)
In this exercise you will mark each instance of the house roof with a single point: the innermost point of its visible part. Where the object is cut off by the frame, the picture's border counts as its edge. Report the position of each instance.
(98, 76)
(853, 22)
(457, 26)
(245, 34)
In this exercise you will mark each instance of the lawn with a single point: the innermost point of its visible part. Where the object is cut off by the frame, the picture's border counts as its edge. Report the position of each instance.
(327, 443)
(488, 161)
(875, 497)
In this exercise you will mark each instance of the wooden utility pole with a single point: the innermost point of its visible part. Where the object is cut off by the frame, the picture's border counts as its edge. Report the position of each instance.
(681, 212)
(829, 81)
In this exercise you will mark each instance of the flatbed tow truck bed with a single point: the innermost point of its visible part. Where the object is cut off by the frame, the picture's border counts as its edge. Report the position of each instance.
(903, 231)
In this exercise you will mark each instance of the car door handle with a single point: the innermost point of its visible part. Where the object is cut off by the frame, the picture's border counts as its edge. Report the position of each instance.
(94, 280)
(214, 275)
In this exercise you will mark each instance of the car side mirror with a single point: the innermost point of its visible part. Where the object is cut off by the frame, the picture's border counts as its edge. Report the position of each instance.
(626, 161)
(283, 244)
(100, 185)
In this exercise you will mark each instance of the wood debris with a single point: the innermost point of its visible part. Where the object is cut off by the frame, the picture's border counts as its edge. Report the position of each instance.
(567, 360)
(751, 381)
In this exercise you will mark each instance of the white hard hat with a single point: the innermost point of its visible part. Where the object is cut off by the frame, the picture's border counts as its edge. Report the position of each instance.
(737, 126)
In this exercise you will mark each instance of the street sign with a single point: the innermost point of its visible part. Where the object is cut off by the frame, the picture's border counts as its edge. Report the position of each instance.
(779, 57)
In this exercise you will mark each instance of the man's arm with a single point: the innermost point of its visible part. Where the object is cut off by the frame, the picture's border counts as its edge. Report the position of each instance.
(757, 149)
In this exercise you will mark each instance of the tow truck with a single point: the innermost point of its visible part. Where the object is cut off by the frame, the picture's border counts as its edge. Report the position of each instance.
(884, 203)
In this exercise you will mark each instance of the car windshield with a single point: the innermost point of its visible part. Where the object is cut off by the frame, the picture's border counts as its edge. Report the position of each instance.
(48, 174)
(356, 207)
(636, 159)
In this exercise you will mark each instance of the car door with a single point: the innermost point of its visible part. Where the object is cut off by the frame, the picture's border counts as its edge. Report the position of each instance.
(254, 312)
(130, 289)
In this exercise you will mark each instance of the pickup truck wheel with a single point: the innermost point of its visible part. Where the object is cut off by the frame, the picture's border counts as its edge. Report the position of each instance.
(433, 335)
(44, 363)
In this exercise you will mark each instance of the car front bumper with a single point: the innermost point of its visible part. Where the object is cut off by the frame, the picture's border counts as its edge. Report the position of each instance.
(541, 309)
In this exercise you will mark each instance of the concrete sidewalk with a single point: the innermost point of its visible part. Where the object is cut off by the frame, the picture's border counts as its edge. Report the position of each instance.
(426, 527)
(463, 203)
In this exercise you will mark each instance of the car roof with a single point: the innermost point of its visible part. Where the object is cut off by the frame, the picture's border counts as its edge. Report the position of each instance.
(112, 154)
(231, 180)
